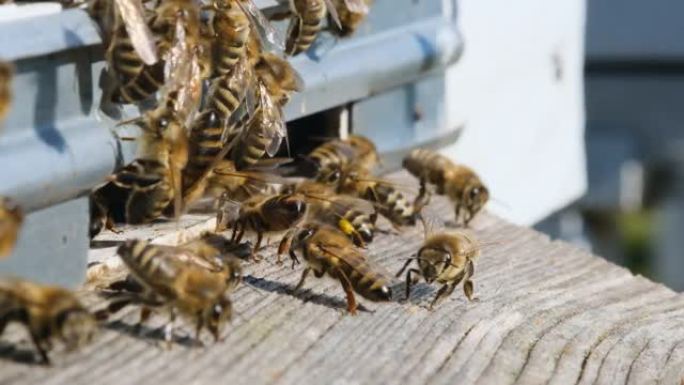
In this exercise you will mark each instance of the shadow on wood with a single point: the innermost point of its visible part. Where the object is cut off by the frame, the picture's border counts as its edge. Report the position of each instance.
(305, 295)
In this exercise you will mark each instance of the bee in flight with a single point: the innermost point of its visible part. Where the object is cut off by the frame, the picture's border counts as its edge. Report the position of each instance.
(459, 183)
(445, 258)
(49, 313)
(327, 251)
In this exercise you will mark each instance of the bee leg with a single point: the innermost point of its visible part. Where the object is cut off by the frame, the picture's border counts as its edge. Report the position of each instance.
(408, 262)
(111, 226)
(38, 343)
(293, 257)
(443, 292)
(347, 286)
(410, 281)
(145, 313)
(468, 285)
(168, 328)
(199, 327)
(300, 284)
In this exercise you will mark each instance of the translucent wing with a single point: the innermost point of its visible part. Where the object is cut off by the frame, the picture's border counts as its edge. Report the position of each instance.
(357, 6)
(268, 34)
(183, 73)
(333, 13)
(272, 121)
(133, 16)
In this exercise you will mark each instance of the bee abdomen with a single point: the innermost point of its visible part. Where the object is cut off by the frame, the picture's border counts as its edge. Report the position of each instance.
(226, 99)
(395, 205)
(368, 283)
(140, 87)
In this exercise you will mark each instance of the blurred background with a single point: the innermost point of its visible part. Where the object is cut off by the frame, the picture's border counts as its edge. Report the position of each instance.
(582, 108)
(633, 210)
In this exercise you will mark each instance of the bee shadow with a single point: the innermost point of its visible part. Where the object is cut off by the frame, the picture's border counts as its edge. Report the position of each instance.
(420, 293)
(147, 333)
(104, 244)
(27, 356)
(305, 295)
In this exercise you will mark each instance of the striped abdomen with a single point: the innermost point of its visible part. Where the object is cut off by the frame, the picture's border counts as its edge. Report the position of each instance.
(147, 262)
(304, 27)
(392, 204)
(227, 94)
(367, 282)
(430, 165)
(151, 191)
(205, 144)
(232, 34)
(137, 81)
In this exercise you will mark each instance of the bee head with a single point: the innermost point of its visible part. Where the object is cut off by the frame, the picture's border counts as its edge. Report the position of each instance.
(216, 315)
(476, 196)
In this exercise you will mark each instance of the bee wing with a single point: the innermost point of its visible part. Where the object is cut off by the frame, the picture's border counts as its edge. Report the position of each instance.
(182, 73)
(133, 16)
(357, 6)
(273, 120)
(333, 13)
(268, 35)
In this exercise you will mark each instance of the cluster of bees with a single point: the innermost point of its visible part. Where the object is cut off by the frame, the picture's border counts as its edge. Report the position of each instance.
(211, 83)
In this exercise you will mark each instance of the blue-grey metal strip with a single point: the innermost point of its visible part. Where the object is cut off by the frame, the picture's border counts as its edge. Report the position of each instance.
(43, 35)
(363, 67)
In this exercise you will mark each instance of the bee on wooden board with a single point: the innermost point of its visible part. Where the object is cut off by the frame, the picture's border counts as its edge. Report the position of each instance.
(354, 217)
(459, 183)
(326, 250)
(335, 155)
(184, 281)
(11, 218)
(6, 74)
(49, 314)
(445, 258)
(261, 214)
(390, 202)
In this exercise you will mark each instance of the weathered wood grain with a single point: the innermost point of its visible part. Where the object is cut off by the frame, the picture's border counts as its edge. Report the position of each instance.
(546, 312)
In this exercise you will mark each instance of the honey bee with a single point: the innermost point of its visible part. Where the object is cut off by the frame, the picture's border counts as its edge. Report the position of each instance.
(351, 14)
(263, 136)
(169, 279)
(390, 202)
(228, 92)
(459, 183)
(354, 217)
(328, 251)
(306, 24)
(11, 218)
(49, 313)
(335, 155)
(241, 185)
(280, 79)
(148, 190)
(261, 214)
(232, 28)
(6, 74)
(164, 151)
(132, 54)
(447, 258)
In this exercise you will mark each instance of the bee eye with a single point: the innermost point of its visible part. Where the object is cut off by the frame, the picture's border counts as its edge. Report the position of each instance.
(475, 192)
(163, 122)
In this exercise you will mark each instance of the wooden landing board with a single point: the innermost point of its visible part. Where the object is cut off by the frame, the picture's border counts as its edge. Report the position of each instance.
(546, 312)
